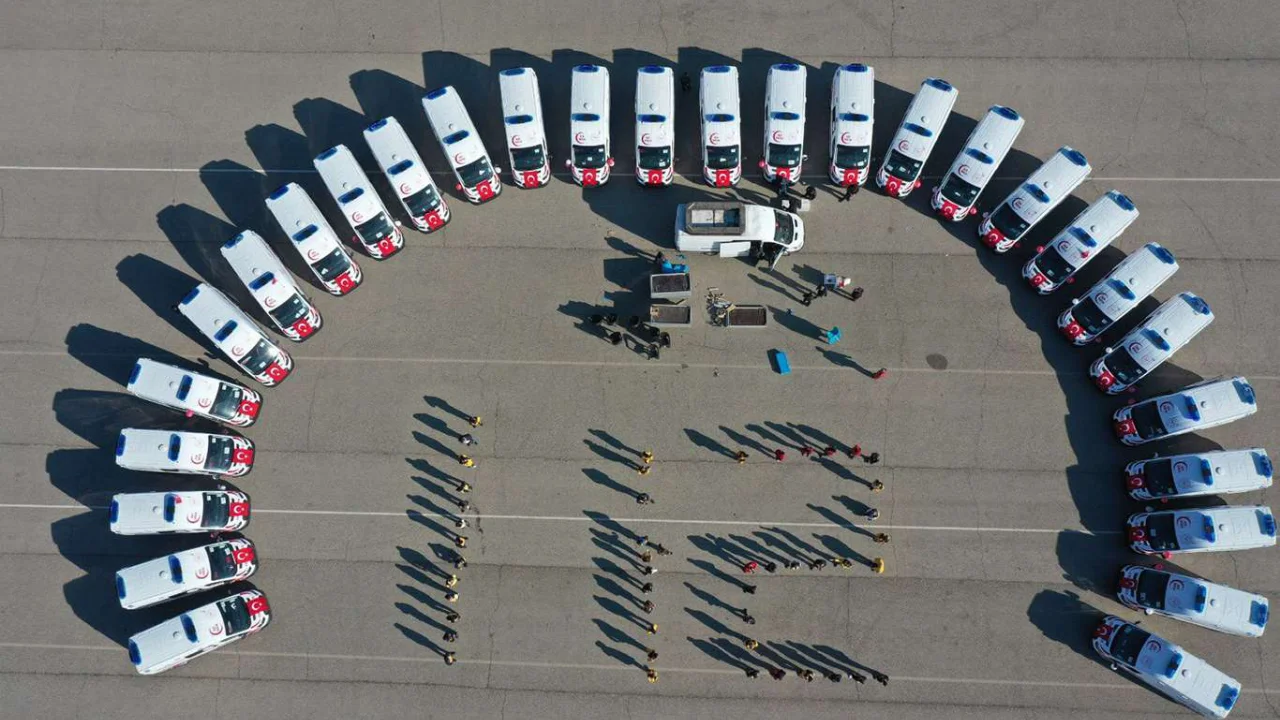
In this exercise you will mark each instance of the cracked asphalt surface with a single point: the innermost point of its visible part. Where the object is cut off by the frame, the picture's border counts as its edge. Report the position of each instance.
(139, 137)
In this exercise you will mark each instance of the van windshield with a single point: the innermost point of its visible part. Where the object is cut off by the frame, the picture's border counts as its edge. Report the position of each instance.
(1152, 587)
(1147, 421)
(852, 158)
(722, 157)
(902, 167)
(1158, 477)
(784, 228)
(787, 156)
(257, 359)
(959, 191)
(222, 561)
(1123, 365)
(1160, 532)
(1053, 266)
(588, 157)
(332, 265)
(227, 402)
(654, 158)
(1128, 644)
(528, 159)
(235, 615)
(290, 311)
(475, 172)
(217, 510)
(1090, 317)
(1008, 222)
(218, 456)
(373, 230)
(423, 201)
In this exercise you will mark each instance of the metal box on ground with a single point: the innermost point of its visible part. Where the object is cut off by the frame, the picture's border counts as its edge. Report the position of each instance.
(662, 315)
(670, 286)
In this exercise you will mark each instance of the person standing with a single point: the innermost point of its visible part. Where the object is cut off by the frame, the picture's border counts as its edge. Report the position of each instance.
(652, 675)
(644, 499)
(741, 457)
(872, 459)
(881, 538)
(450, 658)
(644, 470)
(779, 455)
(878, 566)
(646, 457)
(651, 654)
(467, 439)
(877, 485)
(855, 451)
(475, 421)
(466, 461)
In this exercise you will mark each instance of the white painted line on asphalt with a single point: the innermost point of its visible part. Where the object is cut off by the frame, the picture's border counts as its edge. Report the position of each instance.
(615, 667)
(562, 173)
(583, 519)
(644, 364)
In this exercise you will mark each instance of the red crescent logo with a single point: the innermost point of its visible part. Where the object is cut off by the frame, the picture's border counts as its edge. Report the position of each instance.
(714, 138)
(204, 402)
(1166, 406)
(846, 138)
(313, 254)
(1180, 466)
(405, 189)
(197, 458)
(516, 141)
(202, 573)
(1184, 521)
(1153, 646)
(963, 170)
(237, 351)
(458, 158)
(269, 302)
(357, 217)
(1135, 347)
(1175, 584)
(215, 629)
(904, 145)
(1064, 246)
(193, 516)
(777, 136)
(645, 139)
(580, 138)
(1017, 203)
(1102, 298)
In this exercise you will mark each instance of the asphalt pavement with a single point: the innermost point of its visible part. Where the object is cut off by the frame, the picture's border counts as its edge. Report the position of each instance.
(139, 138)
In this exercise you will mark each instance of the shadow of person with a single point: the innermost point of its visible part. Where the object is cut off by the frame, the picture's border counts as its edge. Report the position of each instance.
(619, 655)
(418, 638)
(795, 323)
(599, 478)
(707, 442)
(715, 652)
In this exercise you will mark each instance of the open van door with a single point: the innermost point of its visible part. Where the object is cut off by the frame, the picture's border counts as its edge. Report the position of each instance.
(735, 249)
(773, 252)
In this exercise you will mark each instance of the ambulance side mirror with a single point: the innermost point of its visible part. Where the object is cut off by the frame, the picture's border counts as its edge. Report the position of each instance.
(609, 162)
(760, 164)
(1106, 351)
(568, 164)
(1075, 301)
(804, 157)
(498, 170)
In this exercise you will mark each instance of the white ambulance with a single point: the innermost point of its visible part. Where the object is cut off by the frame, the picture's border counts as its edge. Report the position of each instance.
(589, 126)
(1089, 234)
(271, 286)
(913, 142)
(406, 173)
(315, 240)
(1194, 530)
(738, 229)
(784, 99)
(1216, 472)
(522, 120)
(182, 573)
(956, 197)
(1155, 591)
(477, 178)
(719, 106)
(1168, 668)
(1201, 406)
(1151, 343)
(359, 202)
(194, 394)
(193, 453)
(1128, 284)
(237, 336)
(1040, 193)
(178, 640)
(167, 513)
(853, 103)
(655, 125)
